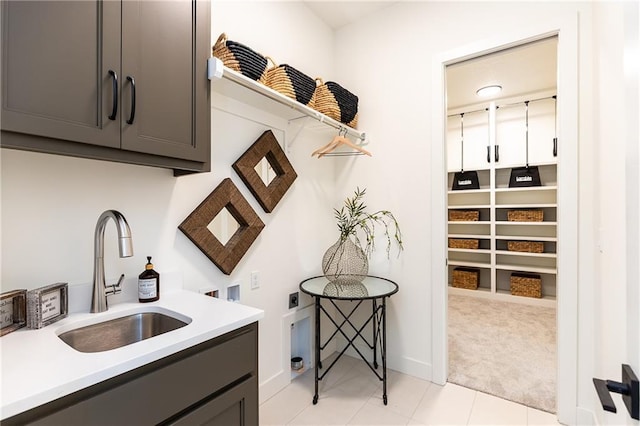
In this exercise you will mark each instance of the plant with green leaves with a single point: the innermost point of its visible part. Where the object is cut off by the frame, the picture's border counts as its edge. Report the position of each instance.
(353, 219)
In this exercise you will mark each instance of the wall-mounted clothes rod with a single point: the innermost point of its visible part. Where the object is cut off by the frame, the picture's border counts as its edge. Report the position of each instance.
(503, 106)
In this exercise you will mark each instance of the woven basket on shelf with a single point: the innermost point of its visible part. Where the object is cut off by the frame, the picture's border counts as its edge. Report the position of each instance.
(336, 102)
(463, 243)
(292, 83)
(522, 215)
(240, 58)
(526, 246)
(464, 215)
(528, 285)
(468, 278)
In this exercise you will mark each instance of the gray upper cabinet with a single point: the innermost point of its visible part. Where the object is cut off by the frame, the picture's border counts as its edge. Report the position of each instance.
(121, 81)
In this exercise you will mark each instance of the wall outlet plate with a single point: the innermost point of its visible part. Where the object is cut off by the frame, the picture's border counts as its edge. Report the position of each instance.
(293, 300)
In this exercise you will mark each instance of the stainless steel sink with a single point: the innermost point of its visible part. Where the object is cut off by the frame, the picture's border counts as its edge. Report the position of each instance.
(120, 332)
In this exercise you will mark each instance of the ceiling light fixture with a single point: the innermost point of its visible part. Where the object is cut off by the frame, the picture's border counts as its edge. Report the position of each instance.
(485, 92)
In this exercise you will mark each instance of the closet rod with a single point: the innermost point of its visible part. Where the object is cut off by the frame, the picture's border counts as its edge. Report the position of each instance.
(503, 105)
(524, 102)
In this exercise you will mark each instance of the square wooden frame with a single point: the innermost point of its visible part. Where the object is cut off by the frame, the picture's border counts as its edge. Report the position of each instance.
(36, 312)
(266, 146)
(224, 256)
(18, 300)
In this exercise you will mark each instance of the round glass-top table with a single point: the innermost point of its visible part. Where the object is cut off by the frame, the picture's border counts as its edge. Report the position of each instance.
(357, 289)
(349, 287)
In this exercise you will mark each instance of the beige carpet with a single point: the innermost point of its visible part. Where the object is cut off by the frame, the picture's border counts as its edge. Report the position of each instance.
(504, 349)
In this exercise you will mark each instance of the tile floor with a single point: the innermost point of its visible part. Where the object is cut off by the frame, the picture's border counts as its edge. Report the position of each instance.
(351, 395)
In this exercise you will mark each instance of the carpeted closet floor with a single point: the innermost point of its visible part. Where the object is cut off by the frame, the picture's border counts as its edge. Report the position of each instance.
(504, 349)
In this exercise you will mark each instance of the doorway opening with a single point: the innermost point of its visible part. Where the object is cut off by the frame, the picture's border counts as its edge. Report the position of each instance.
(502, 204)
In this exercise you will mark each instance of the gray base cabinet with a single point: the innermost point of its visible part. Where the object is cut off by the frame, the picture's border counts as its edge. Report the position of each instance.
(114, 80)
(214, 383)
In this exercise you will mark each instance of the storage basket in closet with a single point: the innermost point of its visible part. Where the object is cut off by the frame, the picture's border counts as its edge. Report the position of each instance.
(240, 58)
(336, 102)
(292, 83)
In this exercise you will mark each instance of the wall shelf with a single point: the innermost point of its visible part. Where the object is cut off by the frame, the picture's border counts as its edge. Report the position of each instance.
(236, 86)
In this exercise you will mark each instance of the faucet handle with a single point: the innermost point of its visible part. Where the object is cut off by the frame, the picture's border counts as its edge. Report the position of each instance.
(114, 288)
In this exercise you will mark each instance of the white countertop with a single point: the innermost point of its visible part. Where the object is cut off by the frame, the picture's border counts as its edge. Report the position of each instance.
(38, 367)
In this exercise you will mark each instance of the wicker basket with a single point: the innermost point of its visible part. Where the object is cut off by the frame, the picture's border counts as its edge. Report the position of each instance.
(525, 215)
(336, 102)
(462, 243)
(528, 285)
(240, 58)
(464, 215)
(526, 246)
(292, 83)
(468, 278)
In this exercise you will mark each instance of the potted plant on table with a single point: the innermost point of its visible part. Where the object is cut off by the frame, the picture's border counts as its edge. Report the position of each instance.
(346, 260)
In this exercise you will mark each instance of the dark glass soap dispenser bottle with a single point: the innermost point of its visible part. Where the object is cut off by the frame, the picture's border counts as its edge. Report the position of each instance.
(148, 284)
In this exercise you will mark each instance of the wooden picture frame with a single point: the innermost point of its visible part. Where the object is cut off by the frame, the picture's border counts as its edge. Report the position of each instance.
(266, 147)
(195, 226)
(46, 305)
(13, 311)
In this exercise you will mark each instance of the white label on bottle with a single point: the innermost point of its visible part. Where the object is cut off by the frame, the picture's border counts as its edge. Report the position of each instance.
(147, 289)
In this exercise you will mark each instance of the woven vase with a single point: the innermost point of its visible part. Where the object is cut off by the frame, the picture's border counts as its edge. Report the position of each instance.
(345, 262)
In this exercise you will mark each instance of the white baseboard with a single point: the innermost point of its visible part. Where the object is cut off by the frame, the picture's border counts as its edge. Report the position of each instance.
(586, 417)
(273, 385)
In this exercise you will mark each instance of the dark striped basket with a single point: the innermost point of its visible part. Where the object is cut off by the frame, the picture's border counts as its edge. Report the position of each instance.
(336, 102)
(240, 58)
(292, 83)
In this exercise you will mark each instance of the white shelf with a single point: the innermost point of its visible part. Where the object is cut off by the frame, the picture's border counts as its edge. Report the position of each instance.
(236, 86)
(468, 264)
(504, 222)
(485, 293)
(526, 238)
(470, 191)
(529, 189)
(470, 236)
(527, 254)
(461, 250)
(526, 206)
(527, 268)
(468, 206)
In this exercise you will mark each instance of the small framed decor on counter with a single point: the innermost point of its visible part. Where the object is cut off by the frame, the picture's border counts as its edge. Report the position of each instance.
(47, 305)
(13, 311)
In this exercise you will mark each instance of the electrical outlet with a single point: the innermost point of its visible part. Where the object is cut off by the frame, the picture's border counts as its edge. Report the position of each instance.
(255, 280)
(293, 300)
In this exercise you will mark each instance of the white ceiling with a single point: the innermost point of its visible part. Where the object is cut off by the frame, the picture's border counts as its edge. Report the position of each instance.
(520, 71)
(340, 13)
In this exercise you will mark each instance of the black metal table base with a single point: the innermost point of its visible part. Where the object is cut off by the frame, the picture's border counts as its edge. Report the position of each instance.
(379, 341)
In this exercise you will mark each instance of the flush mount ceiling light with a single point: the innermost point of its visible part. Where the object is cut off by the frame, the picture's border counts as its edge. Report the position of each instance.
(485, 92)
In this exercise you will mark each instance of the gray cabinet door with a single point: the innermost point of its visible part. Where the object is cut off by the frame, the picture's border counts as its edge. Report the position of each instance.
(55, 73)
(164, 55)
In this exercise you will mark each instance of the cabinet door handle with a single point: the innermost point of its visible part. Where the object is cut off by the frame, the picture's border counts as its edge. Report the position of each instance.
(132, 115)
(555, 147)
(488, 154)
(114, 108)
(496, 153)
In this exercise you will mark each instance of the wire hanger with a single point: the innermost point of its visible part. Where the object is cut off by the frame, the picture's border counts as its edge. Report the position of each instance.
(338, 140)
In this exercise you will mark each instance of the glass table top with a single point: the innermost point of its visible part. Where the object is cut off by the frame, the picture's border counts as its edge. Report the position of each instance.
(349, 287)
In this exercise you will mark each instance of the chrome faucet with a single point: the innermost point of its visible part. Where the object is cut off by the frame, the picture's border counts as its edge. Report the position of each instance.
(125, 246)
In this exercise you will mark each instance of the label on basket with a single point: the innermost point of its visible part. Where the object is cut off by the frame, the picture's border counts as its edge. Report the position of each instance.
(464, 182)
(524, 179)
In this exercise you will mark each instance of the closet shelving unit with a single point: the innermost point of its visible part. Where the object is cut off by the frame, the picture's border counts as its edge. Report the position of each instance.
(236, 86)
(493, 231)
(493, 200)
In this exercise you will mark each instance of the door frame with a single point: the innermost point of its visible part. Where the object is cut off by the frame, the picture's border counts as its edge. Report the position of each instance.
(565, 27)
